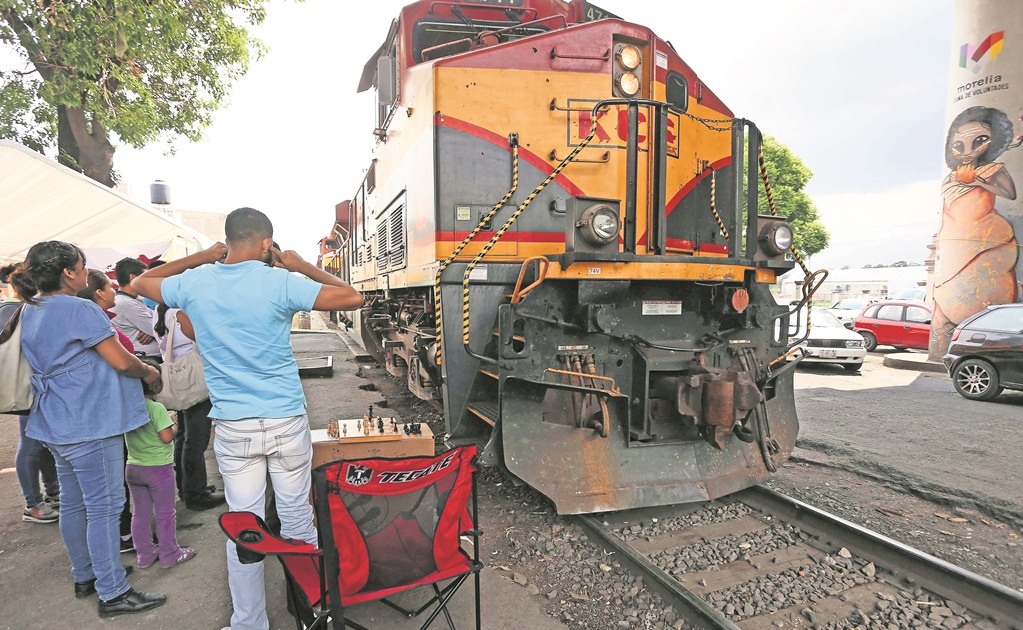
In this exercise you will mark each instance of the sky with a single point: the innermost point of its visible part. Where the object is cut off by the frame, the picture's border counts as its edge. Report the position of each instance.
(856, 89)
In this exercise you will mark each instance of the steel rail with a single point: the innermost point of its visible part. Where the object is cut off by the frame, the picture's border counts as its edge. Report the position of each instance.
(1000, 604)
(981, 595)
(689, 605)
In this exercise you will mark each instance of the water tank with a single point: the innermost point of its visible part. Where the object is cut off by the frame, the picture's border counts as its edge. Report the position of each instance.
(159, 193)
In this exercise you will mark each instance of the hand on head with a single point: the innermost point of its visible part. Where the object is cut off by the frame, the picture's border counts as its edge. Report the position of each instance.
(217, 252)
(153, 378)
(288, 259)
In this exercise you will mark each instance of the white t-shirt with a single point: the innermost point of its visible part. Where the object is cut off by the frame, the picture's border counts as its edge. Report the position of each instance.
(133, 317)
(182, 344)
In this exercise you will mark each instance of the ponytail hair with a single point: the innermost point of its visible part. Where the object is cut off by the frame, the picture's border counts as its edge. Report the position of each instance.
(97, 281)
(160, 327)
(5, 277)
(41, 272)
(6, 271)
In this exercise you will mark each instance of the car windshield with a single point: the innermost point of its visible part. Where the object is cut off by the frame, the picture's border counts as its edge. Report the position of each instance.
(825, 319)
(850, 305)
(819, 318)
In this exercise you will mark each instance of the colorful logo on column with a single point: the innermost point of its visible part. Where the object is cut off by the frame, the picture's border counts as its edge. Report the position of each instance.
(976, 57)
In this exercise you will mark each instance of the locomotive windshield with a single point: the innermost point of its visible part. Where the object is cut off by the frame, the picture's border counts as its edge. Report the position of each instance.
(440, 38)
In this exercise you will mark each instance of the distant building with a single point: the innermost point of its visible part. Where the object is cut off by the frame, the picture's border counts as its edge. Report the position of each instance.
(876, 283)
(209, 224)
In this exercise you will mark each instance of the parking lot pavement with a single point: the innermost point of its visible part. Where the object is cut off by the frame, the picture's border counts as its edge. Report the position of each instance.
(911, 429)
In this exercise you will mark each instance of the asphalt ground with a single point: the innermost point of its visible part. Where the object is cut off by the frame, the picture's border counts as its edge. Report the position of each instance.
(36, 587)
(910, 429)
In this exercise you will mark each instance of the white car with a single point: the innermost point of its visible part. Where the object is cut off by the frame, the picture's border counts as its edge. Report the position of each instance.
(909, 295)
(847, 309)
(829, 341)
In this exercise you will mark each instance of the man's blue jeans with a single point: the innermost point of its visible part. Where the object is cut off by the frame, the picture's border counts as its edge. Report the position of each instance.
(91, 498)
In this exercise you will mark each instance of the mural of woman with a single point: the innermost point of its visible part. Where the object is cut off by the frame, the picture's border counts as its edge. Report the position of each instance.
(976, 248)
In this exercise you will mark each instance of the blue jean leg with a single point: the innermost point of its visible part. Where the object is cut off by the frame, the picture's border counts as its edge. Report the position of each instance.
(92, 496)
(32, 459)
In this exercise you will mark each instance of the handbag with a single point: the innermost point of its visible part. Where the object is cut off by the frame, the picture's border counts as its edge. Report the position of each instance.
(15, 372)
(184, 384)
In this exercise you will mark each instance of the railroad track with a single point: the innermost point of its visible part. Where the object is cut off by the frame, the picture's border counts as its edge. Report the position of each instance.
(760, 560)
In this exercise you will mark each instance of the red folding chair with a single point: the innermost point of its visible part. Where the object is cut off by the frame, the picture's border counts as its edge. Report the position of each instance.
(385, 526)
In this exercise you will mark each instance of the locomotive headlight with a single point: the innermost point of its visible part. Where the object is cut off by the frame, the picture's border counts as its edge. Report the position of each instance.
(776, 238)
(605, 225)
(628, 83)
(629, 57)
(599, 224)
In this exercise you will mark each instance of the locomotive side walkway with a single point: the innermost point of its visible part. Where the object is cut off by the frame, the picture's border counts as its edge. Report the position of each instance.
(35, 580)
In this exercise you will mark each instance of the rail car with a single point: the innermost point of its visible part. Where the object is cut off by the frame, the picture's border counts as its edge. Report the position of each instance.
(554, 239)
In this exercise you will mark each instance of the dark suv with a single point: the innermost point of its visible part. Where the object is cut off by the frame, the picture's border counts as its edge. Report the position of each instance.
(986, 352)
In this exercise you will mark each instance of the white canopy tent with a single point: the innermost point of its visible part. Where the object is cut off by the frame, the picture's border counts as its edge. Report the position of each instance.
(41, 200)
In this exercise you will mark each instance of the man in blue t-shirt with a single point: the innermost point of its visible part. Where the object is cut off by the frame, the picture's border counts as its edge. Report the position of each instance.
(241, 299)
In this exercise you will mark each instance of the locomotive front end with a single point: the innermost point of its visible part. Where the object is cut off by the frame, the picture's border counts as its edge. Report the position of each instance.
(582, 278)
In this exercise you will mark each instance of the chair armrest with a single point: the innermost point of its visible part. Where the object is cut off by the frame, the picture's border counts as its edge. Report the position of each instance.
(250, 532)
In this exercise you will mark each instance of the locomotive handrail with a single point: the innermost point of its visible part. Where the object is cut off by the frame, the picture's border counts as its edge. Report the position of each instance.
(810, 287)
(483, 7)
(564, 24)
(478, 37)
(425, 54)
(604, 158)
(542, 267)
(513, 140)
(602, 57)
(554, 106)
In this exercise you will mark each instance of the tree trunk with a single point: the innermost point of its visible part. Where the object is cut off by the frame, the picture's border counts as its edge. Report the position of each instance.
(68, 153)
(95, 153)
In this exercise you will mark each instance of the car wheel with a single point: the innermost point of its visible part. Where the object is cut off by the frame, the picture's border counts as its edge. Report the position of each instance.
(976, 380)
(869, 341)
(852, 367)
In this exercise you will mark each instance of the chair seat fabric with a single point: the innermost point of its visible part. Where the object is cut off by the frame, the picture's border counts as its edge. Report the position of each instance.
(385, 526)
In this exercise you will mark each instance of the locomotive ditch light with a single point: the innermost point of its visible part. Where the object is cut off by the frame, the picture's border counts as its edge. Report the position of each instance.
(599, 225)
(775, 237)
(628, 83)
(592, 224)
(629, 57)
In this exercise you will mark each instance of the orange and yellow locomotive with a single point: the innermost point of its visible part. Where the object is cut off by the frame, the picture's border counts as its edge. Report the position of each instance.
(552, 239)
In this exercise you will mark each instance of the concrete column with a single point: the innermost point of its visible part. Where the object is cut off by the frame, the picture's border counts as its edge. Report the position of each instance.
(976, 258)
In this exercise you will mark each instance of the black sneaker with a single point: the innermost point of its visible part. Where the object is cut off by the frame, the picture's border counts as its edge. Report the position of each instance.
(207, 502)
(127, 546)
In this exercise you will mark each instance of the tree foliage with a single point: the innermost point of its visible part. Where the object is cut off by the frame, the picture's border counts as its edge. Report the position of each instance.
(143, 70)
(788, 176)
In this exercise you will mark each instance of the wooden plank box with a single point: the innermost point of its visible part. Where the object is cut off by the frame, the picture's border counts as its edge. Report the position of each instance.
(356, 445)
